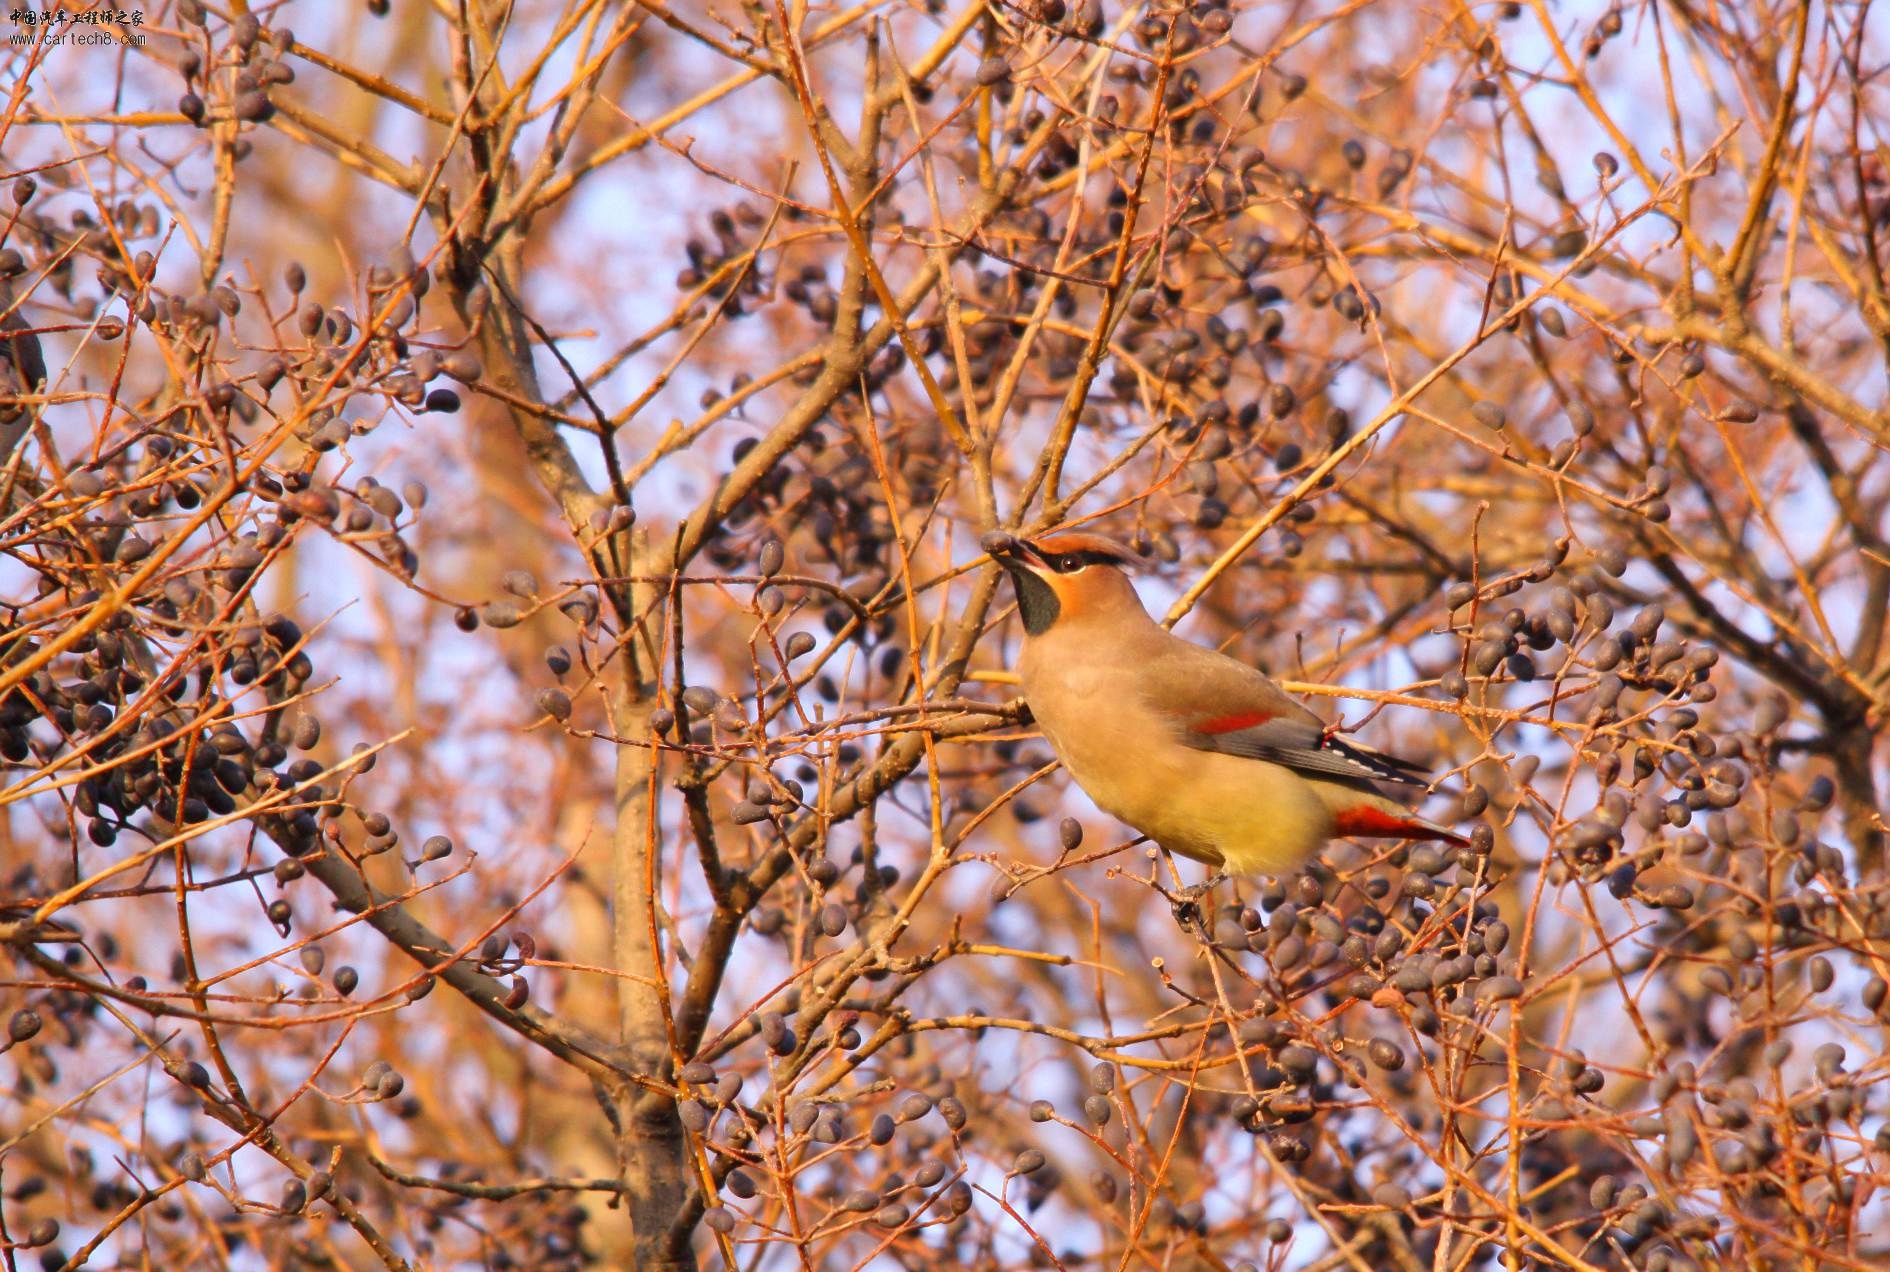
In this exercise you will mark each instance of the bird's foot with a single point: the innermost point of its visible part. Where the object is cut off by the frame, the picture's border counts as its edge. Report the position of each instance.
(1187, 902)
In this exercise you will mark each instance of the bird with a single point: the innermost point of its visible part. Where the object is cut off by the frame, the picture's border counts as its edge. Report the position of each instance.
(1198, 751)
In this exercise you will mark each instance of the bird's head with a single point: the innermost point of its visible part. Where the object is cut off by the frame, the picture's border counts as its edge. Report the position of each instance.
(1066, 577)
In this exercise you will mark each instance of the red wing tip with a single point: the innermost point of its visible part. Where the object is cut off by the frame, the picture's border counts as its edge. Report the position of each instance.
(1233, 723)
(1376, 823)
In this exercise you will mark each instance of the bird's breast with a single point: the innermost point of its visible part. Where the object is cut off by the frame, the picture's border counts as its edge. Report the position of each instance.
(1120, 752)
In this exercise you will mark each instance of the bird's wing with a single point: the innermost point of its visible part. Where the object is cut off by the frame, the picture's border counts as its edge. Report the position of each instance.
(1215, 703)
(1313, 751)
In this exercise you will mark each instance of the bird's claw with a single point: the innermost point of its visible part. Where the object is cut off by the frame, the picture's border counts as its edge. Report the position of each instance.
(1187, 902)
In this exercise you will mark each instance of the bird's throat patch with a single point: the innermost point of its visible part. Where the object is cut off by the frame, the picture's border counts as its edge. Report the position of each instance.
(1036, 602)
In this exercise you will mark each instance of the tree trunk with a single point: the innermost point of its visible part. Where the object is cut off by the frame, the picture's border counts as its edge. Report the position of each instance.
(653, 1151)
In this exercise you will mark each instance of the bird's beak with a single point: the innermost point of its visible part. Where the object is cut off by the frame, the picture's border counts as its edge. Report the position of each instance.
(1012, 552)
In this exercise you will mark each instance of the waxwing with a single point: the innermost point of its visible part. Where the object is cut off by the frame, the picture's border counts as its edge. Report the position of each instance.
(1201, 753)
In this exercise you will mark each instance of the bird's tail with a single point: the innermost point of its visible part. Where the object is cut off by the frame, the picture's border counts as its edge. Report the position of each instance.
(1379, 824)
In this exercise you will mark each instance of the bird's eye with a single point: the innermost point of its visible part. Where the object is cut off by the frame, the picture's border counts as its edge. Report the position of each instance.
(1069, 563)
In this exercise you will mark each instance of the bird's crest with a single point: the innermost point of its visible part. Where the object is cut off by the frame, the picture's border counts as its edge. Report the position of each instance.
(1084, 544)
